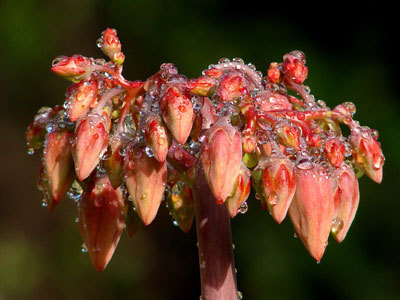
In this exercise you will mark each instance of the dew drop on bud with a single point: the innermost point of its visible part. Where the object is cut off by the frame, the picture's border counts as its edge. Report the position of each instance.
(99, 42)
(243, 208)
(240, 295)
(30, 151)
(295, 235)
(304, 164)
(149, 152)
(273, 198)
(223, 60)
(84, 248)
(337, 225)
(325, 243)
(374, 133)
(44, 203)
(238, 60)
(175, 223)
(377, 161)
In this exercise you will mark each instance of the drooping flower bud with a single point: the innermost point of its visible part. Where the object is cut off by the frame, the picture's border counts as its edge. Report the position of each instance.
(157, 138)
(367, 154)
(221, 157)
(203, 86)
(289, 136)
(177, 112)
(101, 220)
(180, 204)
(294, 68)
(81, 97)
(89, 143)
(346, 196)
(109, 42)
(74, 68)
(335, 151)
(36, 132)
(240, 191)
(145, 178)
(313, 209)
(278, 186)
(58, 169)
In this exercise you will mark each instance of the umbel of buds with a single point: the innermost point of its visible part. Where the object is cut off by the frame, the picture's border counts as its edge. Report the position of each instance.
(120, 147)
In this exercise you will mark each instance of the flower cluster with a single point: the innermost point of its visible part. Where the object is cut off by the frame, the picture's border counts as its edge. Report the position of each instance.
(119, 147)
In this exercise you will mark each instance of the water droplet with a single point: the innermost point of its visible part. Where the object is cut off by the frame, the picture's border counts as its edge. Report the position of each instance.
(50, 127)
(374, 133)
(243, 207)
(44, 203)
(337, 225)
(95, 136)
(240, 295)
(58, 59)
(238, 60)
(178, 155)
(325, 243)
(149, 152)
(84, 248)
(273, 198)
(377, 161)
(175, 222)
(295, 235)
(99, 42)
(30, 151)
(76, 220)
(224, 60)
(304, 164)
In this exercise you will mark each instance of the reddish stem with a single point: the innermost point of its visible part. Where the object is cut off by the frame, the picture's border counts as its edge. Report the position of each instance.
(217, 268)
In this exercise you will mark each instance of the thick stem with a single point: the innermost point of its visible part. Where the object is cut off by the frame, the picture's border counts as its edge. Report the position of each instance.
(217, 268)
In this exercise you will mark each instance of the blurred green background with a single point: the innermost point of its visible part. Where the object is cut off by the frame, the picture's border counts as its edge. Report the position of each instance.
(351, 57)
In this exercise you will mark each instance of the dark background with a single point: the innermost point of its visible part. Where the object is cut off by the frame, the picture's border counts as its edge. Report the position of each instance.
(352, 56)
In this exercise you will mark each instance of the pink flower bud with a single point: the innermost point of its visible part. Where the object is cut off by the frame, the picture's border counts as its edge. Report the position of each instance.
(145, 178)
(109, 42)
(177, 112)
(274, 74)
(231, 86)
(180, 204)
(203, 86)
(240, 191)
(278, 186)
(157, 138)
(275, 101)
(313, 209)
(249, 143)
(74, 68)
(334, 151)
(81, 97)
(289, 136)
(367, 154)
(346, 196)
(89, 143)
(221, 157)
(101, 220)
(58, 169)
(294, 68)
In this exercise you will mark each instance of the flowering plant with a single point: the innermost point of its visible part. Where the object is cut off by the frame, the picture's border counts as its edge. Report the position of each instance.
(121, 147)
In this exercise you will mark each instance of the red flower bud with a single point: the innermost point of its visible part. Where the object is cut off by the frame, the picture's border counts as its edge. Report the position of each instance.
(145, 178)
(89, 143)
(109, 42)
(177, 112)
(240, 191)
(289, 136)
(157, 138)
(335, 151)
(313, 209)
(57, 172)
(230, 87)
(249, 143)
(180, 204)
(74, 68)
(274, 75)
(203, 86)
(278, 186)
(346, 196)
(81, 97)
(101, 220)
(221, 157)
(367, 154)
(294, 68)
(214, 72)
